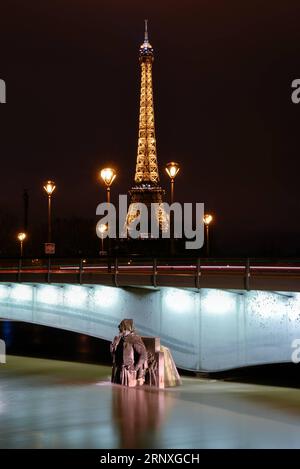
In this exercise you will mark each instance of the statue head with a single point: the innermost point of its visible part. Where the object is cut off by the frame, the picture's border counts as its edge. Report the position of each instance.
(126, 326)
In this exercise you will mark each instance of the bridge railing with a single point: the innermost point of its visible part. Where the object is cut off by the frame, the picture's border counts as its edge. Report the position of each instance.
(148, 270)
(131, 263)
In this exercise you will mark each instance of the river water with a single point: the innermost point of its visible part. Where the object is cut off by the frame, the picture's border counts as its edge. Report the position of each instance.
(56, 404)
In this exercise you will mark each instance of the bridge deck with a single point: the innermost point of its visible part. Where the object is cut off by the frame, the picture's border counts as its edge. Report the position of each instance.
(242, 274)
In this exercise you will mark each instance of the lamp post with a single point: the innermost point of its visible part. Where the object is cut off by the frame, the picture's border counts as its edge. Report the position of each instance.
(108, 176)
(207, 219)
(21, 237)
(49, 188)
(103, 228)
(172, 170)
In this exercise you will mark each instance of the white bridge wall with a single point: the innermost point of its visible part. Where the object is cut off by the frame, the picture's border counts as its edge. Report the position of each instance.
(206, 330)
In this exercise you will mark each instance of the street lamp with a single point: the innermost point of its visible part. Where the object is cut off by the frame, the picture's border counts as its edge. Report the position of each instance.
(172, 170)
(207, 219)
(49, 188)
(108, 176)
(21, 237)
(102, 229)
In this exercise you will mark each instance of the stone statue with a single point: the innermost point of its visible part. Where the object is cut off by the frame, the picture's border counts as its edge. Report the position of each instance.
(129, 356)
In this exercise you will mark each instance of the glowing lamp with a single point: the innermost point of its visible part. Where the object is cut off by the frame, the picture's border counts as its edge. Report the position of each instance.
(22, 236)
(172, 169)
(49, 187)
(108, 176)
(207, 219)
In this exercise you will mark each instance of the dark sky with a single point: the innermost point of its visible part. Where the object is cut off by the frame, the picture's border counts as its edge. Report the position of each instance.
(222, 91)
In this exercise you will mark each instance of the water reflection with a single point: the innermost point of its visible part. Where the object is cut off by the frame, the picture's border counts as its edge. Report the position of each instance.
(137, 415)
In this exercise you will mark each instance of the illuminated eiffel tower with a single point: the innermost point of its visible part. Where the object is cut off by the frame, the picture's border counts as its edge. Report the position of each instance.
(146, 188)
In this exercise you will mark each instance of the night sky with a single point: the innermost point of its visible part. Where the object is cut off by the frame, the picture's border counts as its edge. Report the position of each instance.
(222, 93)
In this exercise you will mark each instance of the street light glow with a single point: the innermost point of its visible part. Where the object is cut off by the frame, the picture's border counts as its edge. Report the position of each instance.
(207, 219)
(108, 176)
(22, 236)
(103, 228)
(49, 187)
(172, 169)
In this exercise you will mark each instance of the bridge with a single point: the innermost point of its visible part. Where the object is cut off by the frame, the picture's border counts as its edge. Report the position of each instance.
(244, 274)
(213, 314)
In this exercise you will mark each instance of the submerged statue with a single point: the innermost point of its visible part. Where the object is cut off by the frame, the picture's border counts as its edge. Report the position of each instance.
(129, 356)
(138, 361)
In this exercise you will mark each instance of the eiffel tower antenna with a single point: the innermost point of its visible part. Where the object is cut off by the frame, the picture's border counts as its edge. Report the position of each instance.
(146, 31)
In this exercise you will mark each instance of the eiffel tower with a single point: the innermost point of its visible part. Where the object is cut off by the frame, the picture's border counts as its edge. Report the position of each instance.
(146, 188)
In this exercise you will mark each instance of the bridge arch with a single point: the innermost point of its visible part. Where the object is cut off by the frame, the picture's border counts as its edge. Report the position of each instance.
(206, 330)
